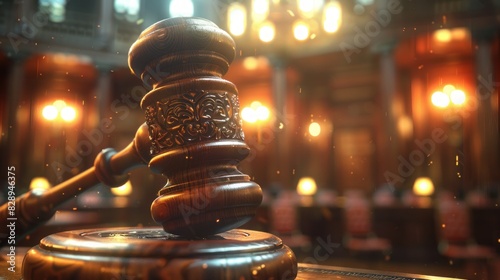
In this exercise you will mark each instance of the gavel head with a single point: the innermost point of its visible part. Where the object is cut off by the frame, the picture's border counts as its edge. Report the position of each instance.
(194, 126)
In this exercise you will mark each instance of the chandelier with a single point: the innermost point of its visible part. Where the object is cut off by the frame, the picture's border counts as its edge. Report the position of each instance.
(267, 20)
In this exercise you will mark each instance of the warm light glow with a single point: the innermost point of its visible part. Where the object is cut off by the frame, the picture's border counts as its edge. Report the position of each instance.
(260, 10)
(59, 104)
(457, 97)
(250, 63)
(460, 33)
(447, 89)
(440, 99)
(59, 110)
(314, 129)
(39, 183)
(262, 113)
(68, 114)
(300, 30)
(267, 31)
(237, 19)
(448, 35)
(256, 112)
(181, 8)
(255, 62)
(405, 126)
(449, 94)
(248, 115)
(50, 112)
(332, 17)
(306, 186)
(123, 190)
(443, 35)
(309, 7)
(255, 104)
(423, 186)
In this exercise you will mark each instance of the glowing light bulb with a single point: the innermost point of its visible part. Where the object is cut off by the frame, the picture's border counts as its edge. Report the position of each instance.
(423, 186)
(267, 32)
(314, 129)
(332, 17)
(260, 10)
(440, 99)
(457, 97)
(301, 30)
(248, 114)
(50, 112)
(68, 114)
(262, 113)
(237, 19)
(306, 186)
(443, 35)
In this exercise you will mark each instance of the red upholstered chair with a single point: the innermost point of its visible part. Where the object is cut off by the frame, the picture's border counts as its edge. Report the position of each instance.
(284, 218)
(359, 236)
(456, 240)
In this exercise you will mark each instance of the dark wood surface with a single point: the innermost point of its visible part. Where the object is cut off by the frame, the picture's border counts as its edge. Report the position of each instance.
(317, 272)
(151, 253)
(305, 272)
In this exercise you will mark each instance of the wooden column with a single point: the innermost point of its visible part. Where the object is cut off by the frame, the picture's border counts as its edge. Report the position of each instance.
(487, 159)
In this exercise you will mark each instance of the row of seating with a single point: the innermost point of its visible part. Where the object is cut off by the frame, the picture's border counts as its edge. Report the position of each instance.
(453, 222)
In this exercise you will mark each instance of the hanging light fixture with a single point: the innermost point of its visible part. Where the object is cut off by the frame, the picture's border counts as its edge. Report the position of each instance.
(305, 19)
(237, 19)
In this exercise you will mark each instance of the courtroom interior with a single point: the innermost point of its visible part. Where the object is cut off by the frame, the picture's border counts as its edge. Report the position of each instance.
(372, 125)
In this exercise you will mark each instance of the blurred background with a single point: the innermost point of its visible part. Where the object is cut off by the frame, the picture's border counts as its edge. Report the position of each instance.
(373, 124)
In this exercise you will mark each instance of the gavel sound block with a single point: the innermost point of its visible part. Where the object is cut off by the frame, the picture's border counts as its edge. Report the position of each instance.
(196, 141)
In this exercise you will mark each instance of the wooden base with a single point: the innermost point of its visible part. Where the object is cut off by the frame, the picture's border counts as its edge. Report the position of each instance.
(151, 253)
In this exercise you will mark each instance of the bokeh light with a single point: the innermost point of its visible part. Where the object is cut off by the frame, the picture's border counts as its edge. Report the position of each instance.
(440, 99)
(314, 129)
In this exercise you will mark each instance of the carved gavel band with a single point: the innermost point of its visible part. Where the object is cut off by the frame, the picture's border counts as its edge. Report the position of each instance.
(110, 168)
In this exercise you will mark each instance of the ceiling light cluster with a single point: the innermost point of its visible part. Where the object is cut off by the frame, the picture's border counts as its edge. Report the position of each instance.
(265, 17)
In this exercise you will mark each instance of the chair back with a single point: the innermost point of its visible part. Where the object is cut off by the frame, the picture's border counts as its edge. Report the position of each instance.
(454, 221)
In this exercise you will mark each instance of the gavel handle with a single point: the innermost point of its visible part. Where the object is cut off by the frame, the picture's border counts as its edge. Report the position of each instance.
(35, 207)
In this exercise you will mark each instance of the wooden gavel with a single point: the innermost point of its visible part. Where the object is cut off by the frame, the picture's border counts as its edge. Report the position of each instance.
(192, 135)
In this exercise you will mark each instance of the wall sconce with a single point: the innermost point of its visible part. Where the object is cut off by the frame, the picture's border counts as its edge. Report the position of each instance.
(59, 109)
(256, 112)
(306, 188)
(448, 35)
(449, 94)
(423, 186)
